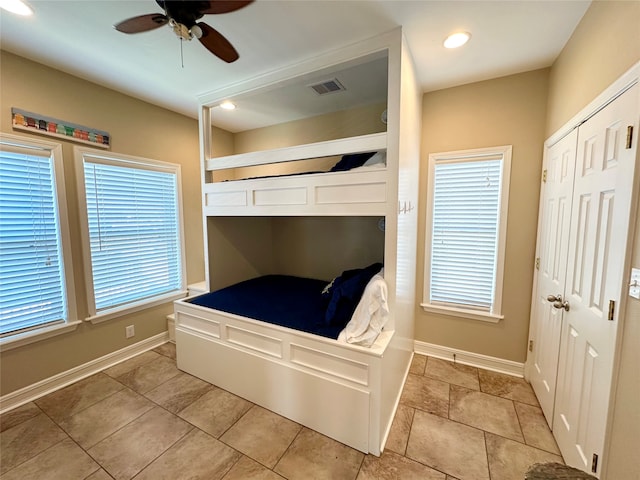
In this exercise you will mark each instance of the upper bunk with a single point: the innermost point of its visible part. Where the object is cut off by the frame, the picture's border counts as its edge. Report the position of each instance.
(276, 153)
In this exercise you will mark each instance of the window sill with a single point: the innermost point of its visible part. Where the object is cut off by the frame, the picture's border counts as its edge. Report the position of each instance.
(135, 307)
(32, 336)
(460, 312)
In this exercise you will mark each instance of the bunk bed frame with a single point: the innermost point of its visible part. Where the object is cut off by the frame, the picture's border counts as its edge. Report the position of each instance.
(347, 392)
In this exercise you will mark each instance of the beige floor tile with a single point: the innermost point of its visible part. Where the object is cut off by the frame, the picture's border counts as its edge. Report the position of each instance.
(18, 415)
(149, 375)
(248, 469)
(27, 439)
(78, 396)
(99, 475)
(507, 386)
(426, 394)
(97, 422)
(454, 373)
(178, 392)
(418, 364)
(167, 349)
(63, 461)
(261, 435)
(133, 447)
(215, 411)
(312, 455)
(484, 411)
(132, 363)
(196, 455)
(448, 447)
(509, 460)
(391, 466)
(400, 428)
(535, 429)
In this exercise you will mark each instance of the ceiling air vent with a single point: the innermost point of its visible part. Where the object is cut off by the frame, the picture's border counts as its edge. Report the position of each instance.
(328, 86)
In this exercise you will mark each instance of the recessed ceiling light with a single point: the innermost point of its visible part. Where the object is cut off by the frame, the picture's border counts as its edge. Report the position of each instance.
(16, 6)
(227, 105)
(457, 39)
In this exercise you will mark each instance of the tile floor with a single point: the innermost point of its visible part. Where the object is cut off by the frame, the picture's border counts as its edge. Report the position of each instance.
(145, 419)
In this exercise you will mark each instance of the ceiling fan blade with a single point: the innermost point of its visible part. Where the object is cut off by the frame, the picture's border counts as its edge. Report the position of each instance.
(225, 6)
(215, 42)
(142, 23)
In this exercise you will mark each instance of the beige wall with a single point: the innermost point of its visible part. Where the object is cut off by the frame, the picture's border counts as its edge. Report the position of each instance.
(504, 111)
(605, 45)
(137, 128)
(330, 126)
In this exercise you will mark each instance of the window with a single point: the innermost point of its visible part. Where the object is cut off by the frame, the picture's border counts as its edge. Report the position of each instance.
(466, 230)
(36, 280)
(132, 222)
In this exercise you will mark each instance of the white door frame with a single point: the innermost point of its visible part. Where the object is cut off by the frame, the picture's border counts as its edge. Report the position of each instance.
(617, 88)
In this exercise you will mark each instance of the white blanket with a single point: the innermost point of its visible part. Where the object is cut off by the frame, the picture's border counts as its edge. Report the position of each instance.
(370, 315)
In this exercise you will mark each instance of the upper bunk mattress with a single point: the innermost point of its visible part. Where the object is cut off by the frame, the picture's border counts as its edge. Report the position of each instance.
(292, 302)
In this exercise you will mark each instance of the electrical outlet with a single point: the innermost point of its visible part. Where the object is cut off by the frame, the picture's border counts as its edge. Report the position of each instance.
(130, 331)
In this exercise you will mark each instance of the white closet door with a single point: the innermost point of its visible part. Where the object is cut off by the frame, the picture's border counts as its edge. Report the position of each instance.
(597, 246)
(554, 244)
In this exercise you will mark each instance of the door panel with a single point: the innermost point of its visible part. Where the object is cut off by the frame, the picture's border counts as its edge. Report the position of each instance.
(552, 251)
(597, 244)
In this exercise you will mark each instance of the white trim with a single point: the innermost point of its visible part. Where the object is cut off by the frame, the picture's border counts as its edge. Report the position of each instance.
(37, 334)
(129, 161)
(60, 380)
(385, 434)
(486, 362)
(135, 307)
(462, 312)
(502, 153)
(57, 162)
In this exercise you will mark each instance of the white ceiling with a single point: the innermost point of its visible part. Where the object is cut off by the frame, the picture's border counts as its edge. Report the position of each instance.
(77, 37)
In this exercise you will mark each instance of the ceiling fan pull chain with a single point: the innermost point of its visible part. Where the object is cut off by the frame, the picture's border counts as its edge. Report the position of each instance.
(181, 56)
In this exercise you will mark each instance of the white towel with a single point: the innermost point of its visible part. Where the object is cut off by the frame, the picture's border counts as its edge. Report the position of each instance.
(370, 315)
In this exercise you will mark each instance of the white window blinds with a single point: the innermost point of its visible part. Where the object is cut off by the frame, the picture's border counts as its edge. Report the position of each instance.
(134, 231)
(466, 232)
(32, 287)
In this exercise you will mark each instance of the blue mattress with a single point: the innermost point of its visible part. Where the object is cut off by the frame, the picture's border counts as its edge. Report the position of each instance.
(292, 302)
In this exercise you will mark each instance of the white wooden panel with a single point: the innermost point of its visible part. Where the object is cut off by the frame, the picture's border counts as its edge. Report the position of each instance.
(226, 199)
(280, 196)
(331, 408)
(603, 242)
(329, 364)
(204, 326)
(363, 143)
(254, 341)
(351, 193)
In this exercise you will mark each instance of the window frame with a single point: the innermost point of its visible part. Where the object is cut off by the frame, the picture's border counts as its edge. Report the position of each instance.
(504, 152)
(118, 159)
(71, 322)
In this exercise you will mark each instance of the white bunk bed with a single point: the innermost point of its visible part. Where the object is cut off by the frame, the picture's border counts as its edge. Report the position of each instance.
(345, 391)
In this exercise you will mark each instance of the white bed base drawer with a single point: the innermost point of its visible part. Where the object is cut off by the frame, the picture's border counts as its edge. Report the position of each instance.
(333, 409)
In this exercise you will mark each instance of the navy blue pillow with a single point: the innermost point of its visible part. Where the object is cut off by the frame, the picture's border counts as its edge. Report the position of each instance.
(346, 292)
(354, 160)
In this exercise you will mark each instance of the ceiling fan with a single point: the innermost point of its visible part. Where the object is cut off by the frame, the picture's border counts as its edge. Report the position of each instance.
(182, 17)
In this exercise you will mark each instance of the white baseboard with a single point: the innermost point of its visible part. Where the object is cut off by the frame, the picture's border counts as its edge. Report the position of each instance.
(56, 382)
(469, 358)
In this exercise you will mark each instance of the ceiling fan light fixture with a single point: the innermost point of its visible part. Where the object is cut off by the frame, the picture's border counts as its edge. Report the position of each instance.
(196, 31)
(16, 6)
(228, 105)
(457, 39)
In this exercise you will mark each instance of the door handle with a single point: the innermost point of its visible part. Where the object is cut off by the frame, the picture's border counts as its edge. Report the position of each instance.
(560, 304)
(554, 298)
